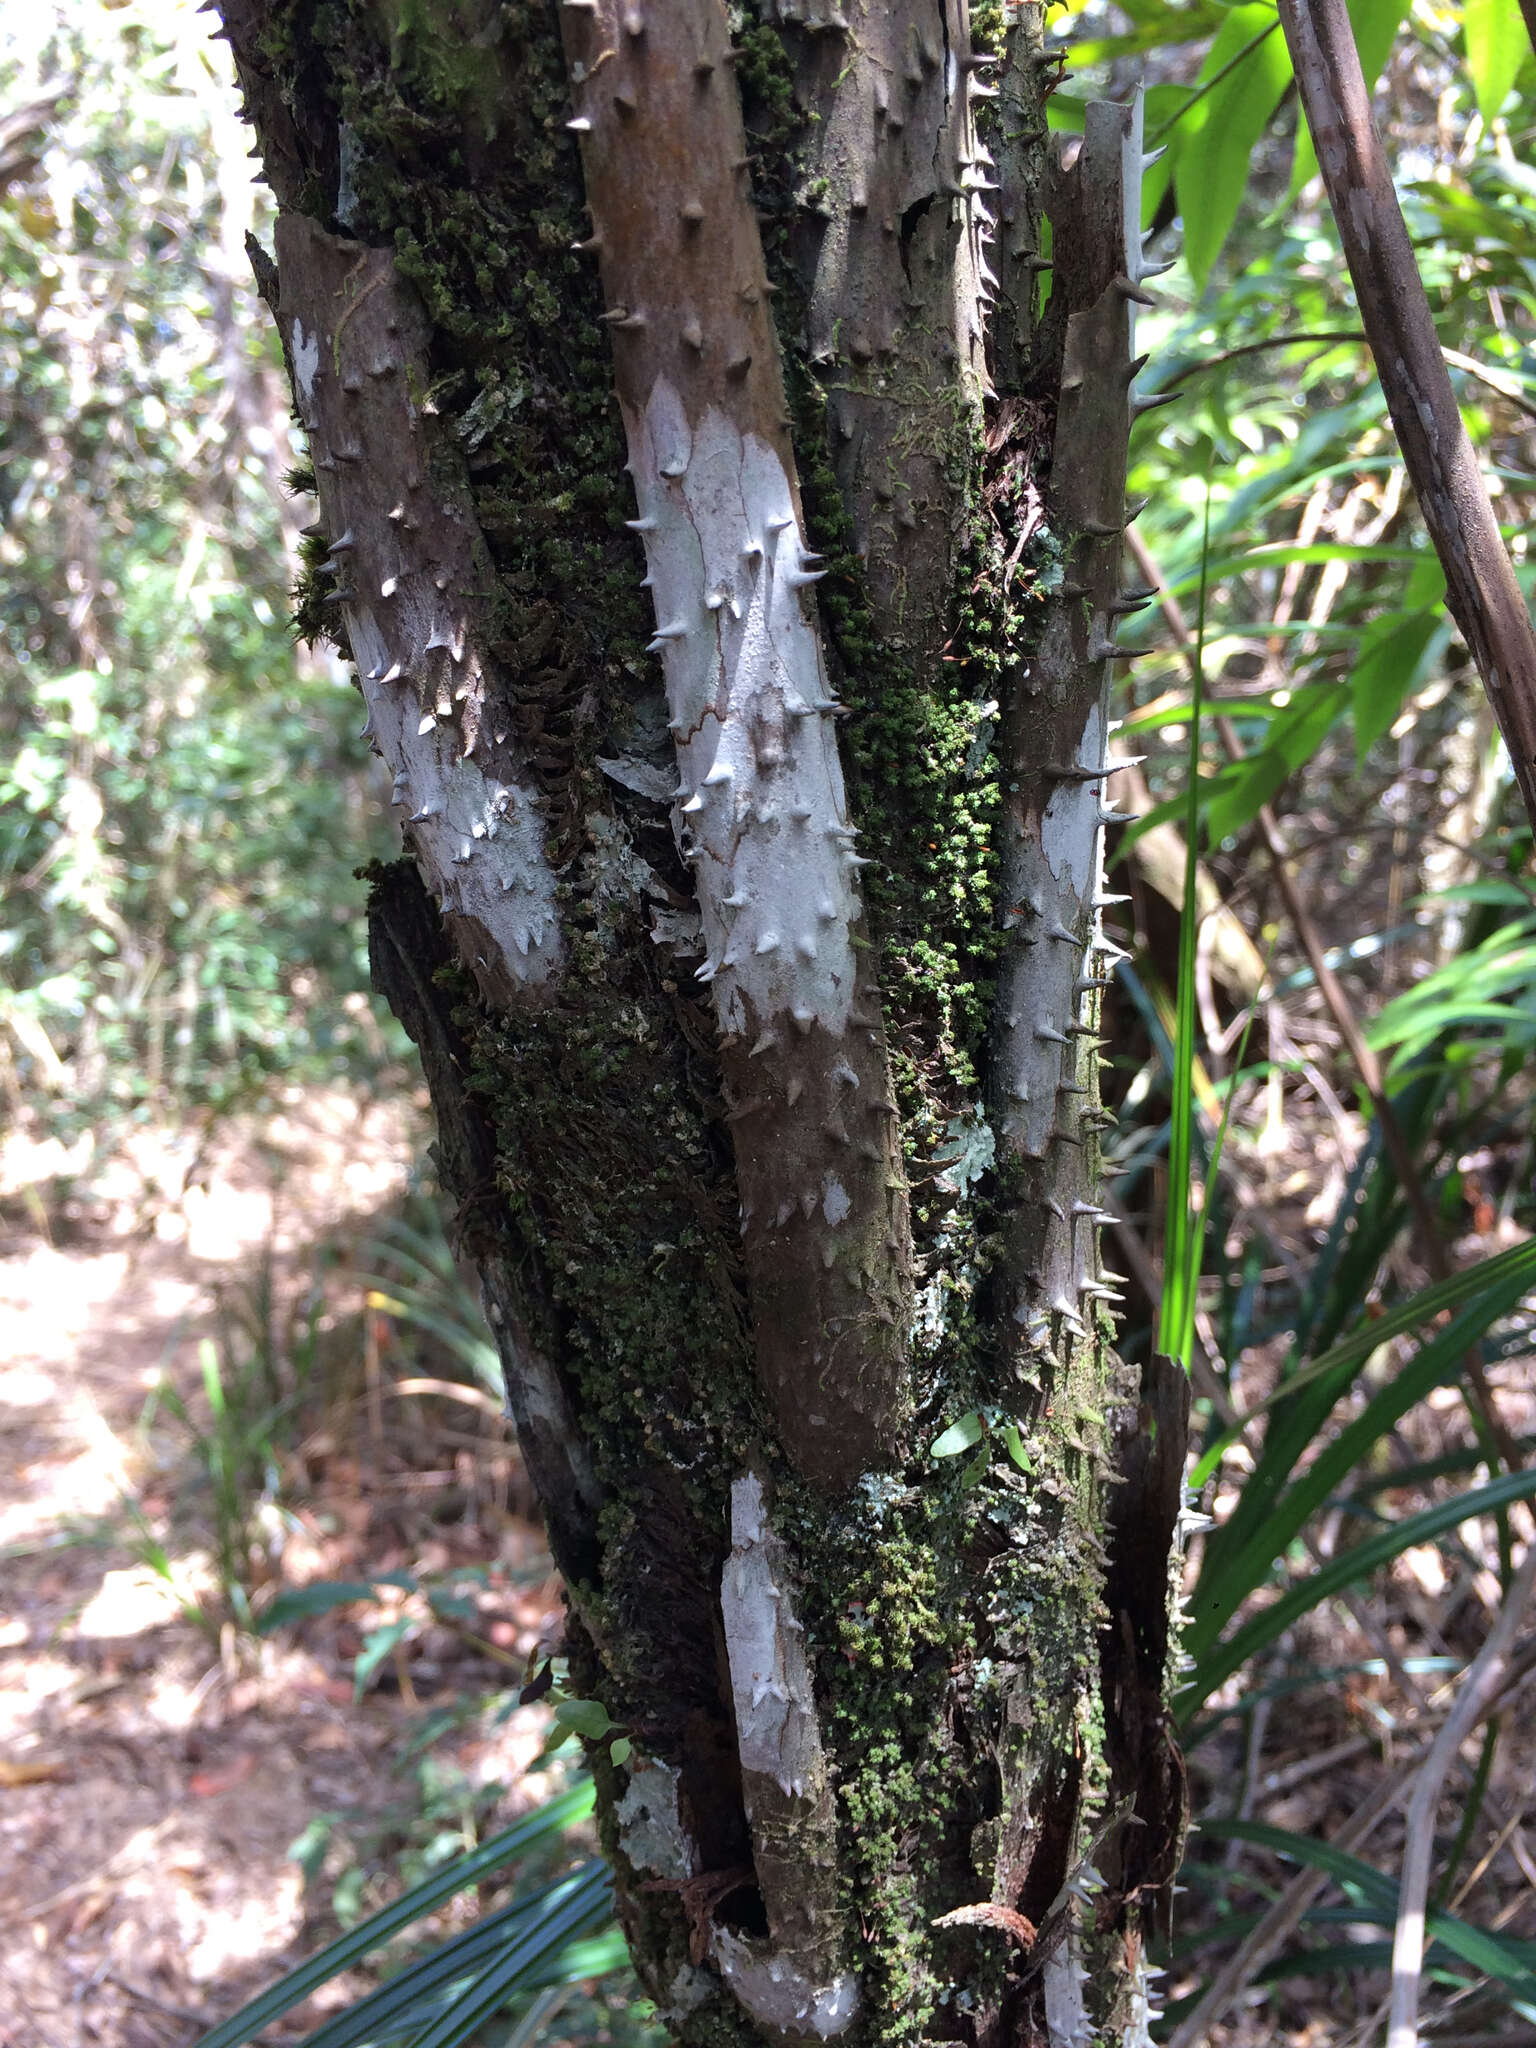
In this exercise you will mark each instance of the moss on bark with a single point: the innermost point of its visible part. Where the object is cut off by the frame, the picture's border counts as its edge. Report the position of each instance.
(952, 1607)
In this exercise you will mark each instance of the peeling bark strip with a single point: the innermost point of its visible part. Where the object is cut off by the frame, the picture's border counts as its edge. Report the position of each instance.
(793, 1982)
(761, 813)
(412, 582)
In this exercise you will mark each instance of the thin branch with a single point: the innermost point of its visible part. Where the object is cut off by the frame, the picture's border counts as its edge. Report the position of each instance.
(1504, 382)
(1484, 1681)
(1481, 590)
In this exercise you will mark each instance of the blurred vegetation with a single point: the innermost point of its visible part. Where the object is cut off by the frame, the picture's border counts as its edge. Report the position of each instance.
(183, 798)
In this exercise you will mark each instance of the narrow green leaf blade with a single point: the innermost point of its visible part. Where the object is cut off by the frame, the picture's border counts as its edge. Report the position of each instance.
(552, 1818)
(554, 1932)
(1293, 738)
(563, 1920)
(1213, 142)
(1495, 33)
(959, 1436)
(377, 1645)
(1391, 652)
(587, 1717)
(1439, 1360)
(1354, 1565)
(1499, 1959)
(320, 1597)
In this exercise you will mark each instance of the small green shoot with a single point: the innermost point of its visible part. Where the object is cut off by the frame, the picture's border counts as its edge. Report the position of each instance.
(1184, 1233)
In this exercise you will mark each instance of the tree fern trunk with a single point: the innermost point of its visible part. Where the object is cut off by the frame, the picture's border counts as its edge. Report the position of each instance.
(730, 560)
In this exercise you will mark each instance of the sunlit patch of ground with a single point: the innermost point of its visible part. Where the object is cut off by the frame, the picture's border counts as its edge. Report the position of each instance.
(153, 1778)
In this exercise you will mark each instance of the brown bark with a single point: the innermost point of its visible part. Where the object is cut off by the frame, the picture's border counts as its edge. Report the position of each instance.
(697, 372)
(725, 1104)
(1484, 598)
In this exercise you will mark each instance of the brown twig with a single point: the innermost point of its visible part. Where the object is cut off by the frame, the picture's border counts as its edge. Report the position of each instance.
(1484, 1682)
(1504, 382)
(1481, 590)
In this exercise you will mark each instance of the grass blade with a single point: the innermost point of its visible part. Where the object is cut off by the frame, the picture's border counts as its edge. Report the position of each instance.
(1244, 1568)
(1181, 1244)
(1358, 1563)
(552, 1818)
(575, 1915)
(1499, 1959)
(543, 1929)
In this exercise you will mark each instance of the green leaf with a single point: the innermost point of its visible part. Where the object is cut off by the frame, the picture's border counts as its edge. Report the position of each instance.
(1392, 651)
(587, 1717)
(1293, 738)
(546, 1938)
(447, 1606)
(308, 1849)
(620, 1750)
(1339, 1365)
(376, 1647)
(318, 1598)
(213, 1383)
(1013, 1444)
(1495, 35)
(1496, 1957)
(1391, 656)
(1161, 107)
(1340, 1572)
(552, 1818)
(1237, 1568)
(585, 1905)
(973, 1473)
(1278, 553)
(1491, 984)
(1214, 140)
(1181, 1270)
(959, 1436)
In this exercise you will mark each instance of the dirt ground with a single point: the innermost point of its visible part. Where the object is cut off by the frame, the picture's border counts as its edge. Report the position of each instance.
(157, 1773)
(153, 1774)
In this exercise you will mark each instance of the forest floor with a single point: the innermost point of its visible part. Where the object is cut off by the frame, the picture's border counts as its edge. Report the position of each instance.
(156, 1770)
(166, 1778)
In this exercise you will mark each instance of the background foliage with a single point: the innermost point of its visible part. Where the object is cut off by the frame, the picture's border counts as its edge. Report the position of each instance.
(181, 795)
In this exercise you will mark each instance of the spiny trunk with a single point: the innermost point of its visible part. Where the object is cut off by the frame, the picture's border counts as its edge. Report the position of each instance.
(751, 933)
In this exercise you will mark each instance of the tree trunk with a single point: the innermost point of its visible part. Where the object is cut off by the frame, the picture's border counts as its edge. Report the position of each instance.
(751, 933)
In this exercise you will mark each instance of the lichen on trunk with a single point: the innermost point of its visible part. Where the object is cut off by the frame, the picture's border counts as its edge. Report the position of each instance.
(731, 563)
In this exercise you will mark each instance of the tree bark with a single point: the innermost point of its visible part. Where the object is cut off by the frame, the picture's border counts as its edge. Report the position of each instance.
(750, 931)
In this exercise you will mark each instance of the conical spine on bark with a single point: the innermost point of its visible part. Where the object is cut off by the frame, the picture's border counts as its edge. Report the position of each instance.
(761, 818)
(355, 336)
(761, 815)
(898, 285)
(1055, 739)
